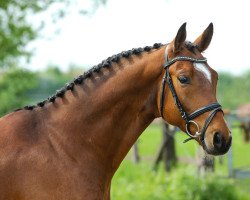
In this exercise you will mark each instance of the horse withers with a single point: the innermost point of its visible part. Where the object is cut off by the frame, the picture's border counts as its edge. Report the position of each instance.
(70, 145)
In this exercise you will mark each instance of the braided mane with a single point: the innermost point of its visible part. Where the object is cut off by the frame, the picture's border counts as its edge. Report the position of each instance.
(97, 68)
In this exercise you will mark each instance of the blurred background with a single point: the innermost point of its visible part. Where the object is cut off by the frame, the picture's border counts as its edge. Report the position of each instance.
(44, 44)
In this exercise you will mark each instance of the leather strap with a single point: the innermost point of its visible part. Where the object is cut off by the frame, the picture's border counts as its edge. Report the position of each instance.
(204, 109)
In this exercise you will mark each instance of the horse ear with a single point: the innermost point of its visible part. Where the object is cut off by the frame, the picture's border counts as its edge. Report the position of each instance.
(205, 38)
(180, 38)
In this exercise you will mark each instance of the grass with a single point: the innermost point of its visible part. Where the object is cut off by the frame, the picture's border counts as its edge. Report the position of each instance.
(140, 182)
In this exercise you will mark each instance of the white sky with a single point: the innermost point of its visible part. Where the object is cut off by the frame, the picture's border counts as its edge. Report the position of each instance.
(125, 24)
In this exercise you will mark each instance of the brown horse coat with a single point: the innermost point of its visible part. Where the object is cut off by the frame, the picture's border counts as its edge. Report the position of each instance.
(70, 146)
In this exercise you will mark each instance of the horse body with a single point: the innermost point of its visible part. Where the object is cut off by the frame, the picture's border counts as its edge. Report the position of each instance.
(70, 146)
(69, 149)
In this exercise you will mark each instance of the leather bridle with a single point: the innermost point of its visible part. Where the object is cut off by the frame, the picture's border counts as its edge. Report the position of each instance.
(188, 118)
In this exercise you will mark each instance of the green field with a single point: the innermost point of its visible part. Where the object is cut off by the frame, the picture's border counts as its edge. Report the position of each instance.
(139, 181)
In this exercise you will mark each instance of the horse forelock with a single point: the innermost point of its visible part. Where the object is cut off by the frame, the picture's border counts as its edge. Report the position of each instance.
(191, 46)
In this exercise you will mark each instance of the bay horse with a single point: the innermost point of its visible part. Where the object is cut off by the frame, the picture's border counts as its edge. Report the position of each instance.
(70, 145)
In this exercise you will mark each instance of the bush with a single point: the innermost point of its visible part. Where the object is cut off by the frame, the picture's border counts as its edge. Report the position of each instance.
(139, 182)
(185, 185)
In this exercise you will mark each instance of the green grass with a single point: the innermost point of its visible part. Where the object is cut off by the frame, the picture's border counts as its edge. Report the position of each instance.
(139, 181)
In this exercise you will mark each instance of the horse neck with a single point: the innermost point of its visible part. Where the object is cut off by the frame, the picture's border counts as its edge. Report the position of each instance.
(108, 112)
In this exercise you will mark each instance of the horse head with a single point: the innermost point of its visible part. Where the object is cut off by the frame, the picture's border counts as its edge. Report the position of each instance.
(187, 97)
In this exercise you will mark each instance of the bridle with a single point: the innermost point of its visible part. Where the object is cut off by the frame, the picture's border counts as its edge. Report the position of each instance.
(189, 118)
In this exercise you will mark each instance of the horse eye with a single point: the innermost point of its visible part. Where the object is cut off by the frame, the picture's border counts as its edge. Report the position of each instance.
(184, 79)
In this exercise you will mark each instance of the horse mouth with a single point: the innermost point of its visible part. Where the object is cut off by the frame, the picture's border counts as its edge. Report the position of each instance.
(218, 151)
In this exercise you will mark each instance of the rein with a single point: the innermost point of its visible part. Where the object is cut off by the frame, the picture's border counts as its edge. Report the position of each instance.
(188, 118)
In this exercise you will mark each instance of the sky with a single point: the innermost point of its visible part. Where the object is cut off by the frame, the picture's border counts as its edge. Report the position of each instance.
(126, 24)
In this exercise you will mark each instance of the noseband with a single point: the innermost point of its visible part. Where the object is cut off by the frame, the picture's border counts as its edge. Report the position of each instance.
(189, 118)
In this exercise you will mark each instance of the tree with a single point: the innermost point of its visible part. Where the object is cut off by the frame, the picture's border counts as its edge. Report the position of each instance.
(167, 152)
(16, 30)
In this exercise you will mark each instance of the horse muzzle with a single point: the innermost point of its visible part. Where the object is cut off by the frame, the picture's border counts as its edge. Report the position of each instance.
(219, 145)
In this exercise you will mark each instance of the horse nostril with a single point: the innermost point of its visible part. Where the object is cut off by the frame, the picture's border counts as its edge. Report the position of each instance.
(218, 140)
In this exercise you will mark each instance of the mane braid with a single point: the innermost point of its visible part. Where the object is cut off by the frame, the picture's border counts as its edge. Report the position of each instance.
(95, 69)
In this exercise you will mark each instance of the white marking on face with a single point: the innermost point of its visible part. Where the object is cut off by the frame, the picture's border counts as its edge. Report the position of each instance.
(203, 68)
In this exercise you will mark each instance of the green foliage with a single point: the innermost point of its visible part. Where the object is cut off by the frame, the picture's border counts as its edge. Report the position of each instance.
(16, 30)
(233, 90)
(14, 85)
(49, 81)
(140, 182)
(21, 87)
